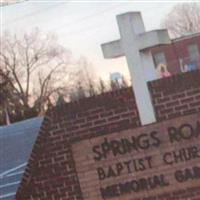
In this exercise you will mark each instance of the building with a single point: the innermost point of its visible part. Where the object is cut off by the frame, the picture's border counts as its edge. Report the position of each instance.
(182, 51)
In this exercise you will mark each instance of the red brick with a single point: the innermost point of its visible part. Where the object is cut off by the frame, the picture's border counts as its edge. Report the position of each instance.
(181, 107)
(187, 100)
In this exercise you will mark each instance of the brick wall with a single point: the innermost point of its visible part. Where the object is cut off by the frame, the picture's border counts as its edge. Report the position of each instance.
(176, 96)
(51, 172)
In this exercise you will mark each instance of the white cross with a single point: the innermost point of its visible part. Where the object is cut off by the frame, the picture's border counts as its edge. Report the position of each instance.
(134, 44)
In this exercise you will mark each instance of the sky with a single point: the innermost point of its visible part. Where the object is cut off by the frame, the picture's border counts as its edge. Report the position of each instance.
(82, 26)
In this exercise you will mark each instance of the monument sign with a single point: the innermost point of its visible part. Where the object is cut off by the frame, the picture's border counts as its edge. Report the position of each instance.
(140, 164)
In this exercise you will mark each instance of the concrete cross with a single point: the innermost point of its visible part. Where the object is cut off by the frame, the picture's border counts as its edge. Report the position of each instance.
(134, 44)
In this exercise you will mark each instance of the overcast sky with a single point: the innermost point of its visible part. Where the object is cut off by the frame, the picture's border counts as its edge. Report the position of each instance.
(83, 26)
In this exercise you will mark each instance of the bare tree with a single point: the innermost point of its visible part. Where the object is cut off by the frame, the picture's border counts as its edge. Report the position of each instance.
(183, 19)
(5, 94)
(102, 86)
(85, 80)
(33, 62)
